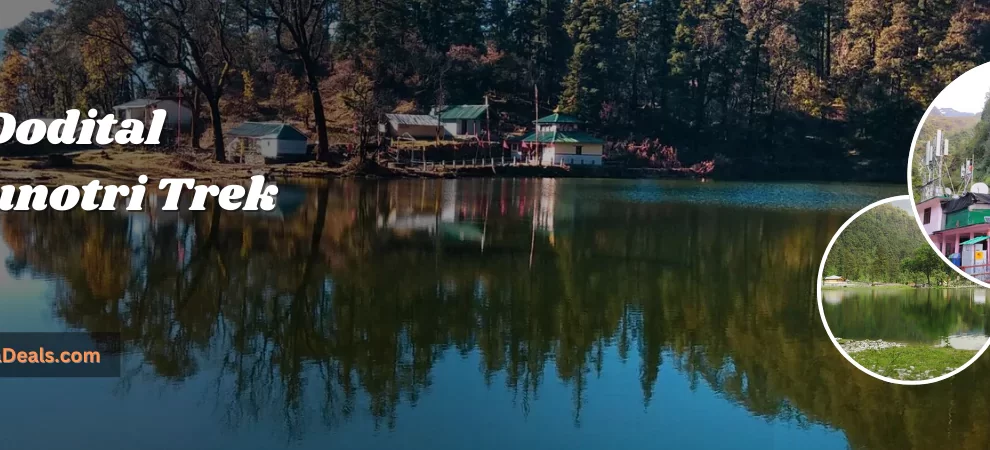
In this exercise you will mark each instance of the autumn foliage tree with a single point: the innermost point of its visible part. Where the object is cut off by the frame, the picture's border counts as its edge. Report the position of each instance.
(13, 80)
(197, 39)
(285, 89)
(108, 67)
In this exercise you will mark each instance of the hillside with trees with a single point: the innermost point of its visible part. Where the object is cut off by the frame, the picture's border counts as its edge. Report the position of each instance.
(959, 129)
(976, 146)
(749, 83)
(885, 245)
(968, 143)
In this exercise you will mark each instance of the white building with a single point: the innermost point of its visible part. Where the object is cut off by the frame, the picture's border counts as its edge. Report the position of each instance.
(270, 140)
(141, 109)
(411, 126)
(562, 142)
(456, 121)
(463, 120)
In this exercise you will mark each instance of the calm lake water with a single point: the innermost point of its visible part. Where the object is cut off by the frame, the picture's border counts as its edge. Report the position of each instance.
(958, 318)
(481, 314)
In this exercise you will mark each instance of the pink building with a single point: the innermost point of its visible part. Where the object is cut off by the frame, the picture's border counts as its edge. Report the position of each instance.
(951, 221)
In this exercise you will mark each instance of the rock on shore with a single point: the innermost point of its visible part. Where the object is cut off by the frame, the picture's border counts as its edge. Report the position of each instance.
(858, 346)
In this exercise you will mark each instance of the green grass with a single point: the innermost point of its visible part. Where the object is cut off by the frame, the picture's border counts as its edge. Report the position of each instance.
(913, 362)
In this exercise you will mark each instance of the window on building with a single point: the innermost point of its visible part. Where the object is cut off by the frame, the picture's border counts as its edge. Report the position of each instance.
(928, 216)
(577, 149)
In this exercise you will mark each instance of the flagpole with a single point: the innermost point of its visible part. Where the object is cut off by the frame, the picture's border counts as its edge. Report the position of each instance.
(536, 123)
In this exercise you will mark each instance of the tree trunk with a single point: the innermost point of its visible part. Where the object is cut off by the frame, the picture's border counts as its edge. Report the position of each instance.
(322, 146)
(218, 148)
(195, 130)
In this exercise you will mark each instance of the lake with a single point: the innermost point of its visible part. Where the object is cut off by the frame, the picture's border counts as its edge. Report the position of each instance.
(958, 318)
(452, 314)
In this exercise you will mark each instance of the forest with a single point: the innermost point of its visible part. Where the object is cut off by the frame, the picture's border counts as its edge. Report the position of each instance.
(885, 245)
(792, 83)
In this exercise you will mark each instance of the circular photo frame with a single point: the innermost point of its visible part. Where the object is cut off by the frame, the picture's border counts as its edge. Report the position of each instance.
(842, 349)
(942, 182)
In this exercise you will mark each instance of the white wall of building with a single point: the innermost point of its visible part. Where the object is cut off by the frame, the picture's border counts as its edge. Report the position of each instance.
(174, 114)
(274, 148)
(461, 128)
(551, 157)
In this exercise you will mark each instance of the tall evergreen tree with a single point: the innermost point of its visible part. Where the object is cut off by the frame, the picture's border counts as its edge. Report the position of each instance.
(541, 43)
(593, 67)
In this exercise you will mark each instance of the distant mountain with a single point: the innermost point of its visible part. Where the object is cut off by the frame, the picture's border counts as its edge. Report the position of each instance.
(949, 112)
(949, 120)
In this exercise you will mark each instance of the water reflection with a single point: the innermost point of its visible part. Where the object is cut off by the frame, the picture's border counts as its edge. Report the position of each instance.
(930, 316)
(358, 304)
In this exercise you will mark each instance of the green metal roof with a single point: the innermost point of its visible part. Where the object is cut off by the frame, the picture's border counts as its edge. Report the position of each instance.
(461, 112)
(268, 130)
(570, 137)
(558, 118)
(975, 240)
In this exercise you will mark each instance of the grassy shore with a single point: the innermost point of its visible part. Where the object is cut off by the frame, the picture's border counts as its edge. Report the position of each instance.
(115, 165)
(909, 362)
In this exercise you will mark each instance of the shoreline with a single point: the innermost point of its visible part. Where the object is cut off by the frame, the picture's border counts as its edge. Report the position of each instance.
(856, 285)
(117, 165)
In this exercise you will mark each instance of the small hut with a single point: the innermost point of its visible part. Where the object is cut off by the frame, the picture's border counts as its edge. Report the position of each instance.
(270, 140)
(176, 114)
(833, 280)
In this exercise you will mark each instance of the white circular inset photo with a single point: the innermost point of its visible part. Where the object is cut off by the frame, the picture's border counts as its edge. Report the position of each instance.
(892, 306)
(949, 175)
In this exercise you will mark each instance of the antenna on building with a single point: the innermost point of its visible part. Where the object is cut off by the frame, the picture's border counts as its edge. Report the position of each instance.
(936, 169)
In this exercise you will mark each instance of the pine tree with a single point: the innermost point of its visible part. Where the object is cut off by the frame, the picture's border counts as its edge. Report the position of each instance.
(541, 43)
(593, 26)
(708, 46)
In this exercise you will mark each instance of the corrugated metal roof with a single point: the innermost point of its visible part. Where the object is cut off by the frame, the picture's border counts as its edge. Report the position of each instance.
(975, 240)
(461, 112)
(268, 129)
(412, 119)
(568, 137)
(558, 118)
(964, 202)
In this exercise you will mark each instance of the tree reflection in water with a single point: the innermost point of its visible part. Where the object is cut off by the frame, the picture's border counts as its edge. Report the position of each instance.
(928, 316)
(350, 299)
